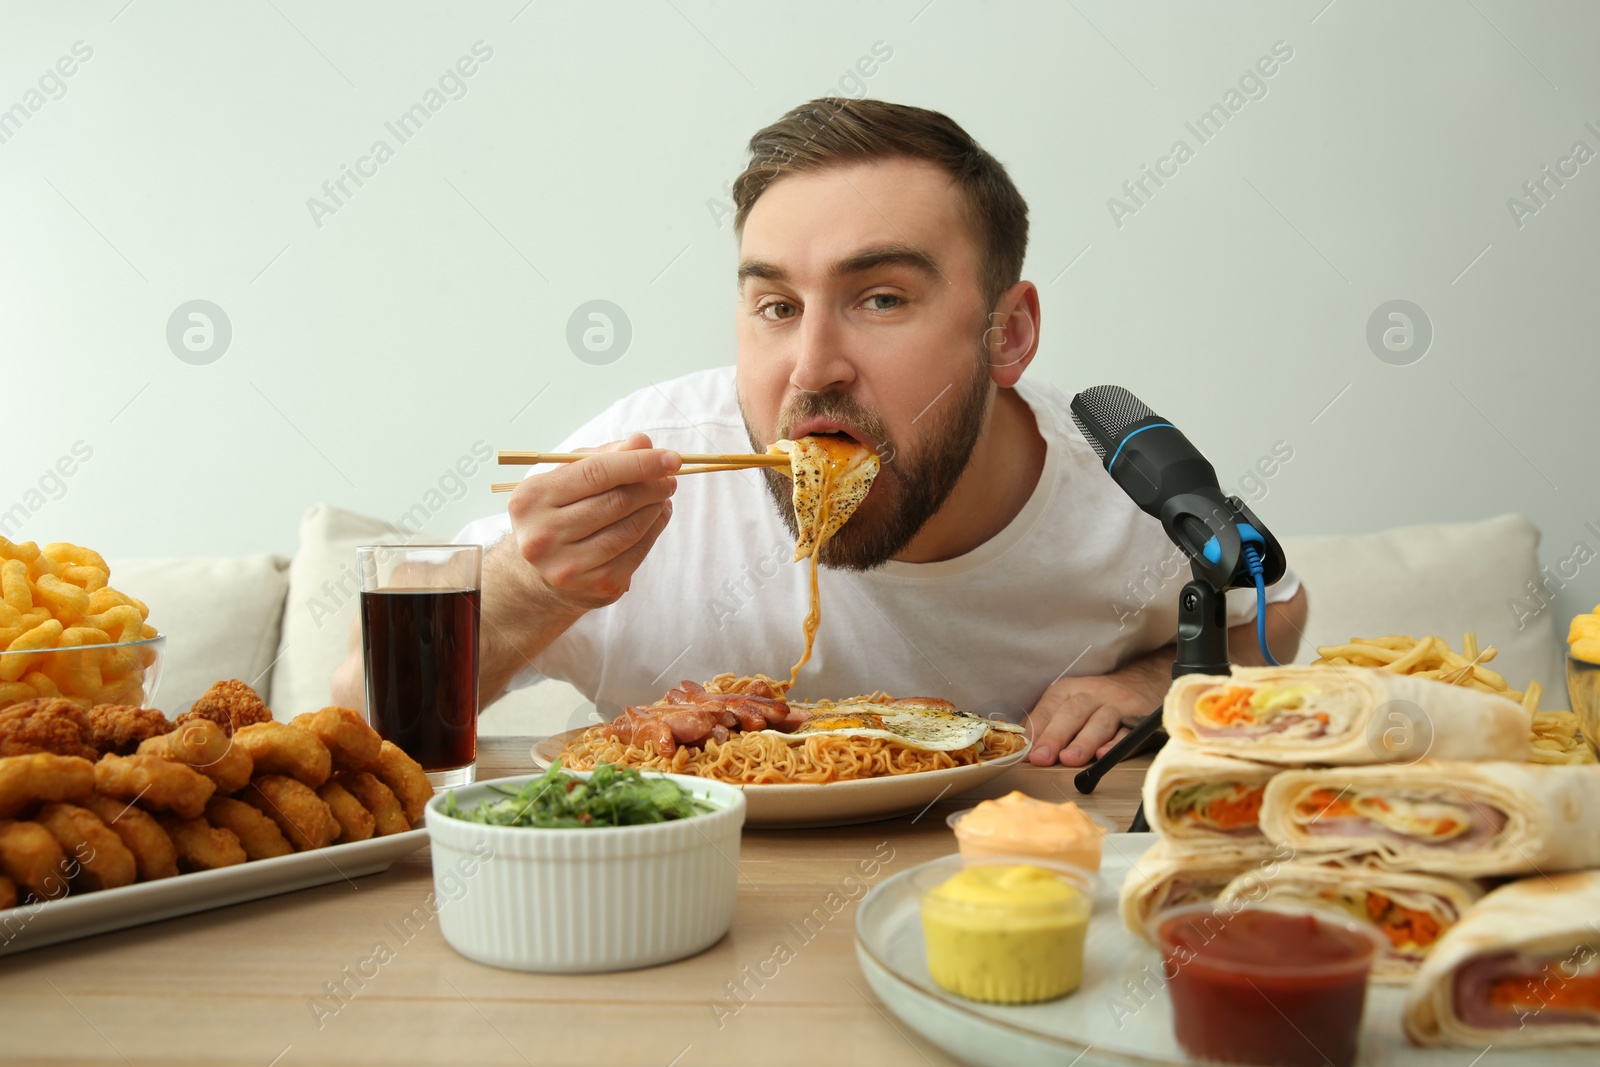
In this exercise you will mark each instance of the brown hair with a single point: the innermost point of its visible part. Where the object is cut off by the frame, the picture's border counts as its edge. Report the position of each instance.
(832, 131)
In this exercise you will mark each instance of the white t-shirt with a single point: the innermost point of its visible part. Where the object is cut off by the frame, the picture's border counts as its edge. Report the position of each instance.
(1078, 583)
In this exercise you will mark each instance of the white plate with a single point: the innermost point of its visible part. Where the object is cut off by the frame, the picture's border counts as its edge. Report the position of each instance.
(1086, 1025)
(838, 803)
(30, 926)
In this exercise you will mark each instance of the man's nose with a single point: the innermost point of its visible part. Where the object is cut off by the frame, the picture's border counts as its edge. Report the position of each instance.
(821, 363)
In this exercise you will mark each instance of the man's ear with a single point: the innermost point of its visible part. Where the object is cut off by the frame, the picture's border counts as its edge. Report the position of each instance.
(1012, 336)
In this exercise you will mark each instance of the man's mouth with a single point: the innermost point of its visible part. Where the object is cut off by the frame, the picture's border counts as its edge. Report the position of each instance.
(820, 427)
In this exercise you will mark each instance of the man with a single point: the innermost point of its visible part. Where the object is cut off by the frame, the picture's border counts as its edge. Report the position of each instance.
(993, 564)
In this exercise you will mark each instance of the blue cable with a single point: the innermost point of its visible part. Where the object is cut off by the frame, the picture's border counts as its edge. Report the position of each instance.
(1252, 562)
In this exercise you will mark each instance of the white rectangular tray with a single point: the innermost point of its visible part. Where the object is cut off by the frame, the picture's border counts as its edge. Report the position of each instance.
(31, 926)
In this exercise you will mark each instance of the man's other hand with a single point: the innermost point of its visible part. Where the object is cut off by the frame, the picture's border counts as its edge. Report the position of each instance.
(1079, 719)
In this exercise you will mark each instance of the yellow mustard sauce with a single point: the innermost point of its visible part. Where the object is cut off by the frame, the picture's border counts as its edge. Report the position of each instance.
(1006, 934)
(1018, 825)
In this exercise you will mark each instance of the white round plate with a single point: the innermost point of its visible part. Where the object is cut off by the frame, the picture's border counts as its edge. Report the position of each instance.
(1119, 1016)
(838, 803)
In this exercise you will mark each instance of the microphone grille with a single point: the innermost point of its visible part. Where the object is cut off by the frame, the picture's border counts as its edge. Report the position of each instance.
(1104, 414)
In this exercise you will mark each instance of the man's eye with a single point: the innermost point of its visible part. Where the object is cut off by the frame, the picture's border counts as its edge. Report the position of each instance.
(776, 310)
(893, 301)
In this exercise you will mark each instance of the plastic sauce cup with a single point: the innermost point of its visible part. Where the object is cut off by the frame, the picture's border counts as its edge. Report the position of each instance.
(987, 944)
(1084, 854)
(1267, 984)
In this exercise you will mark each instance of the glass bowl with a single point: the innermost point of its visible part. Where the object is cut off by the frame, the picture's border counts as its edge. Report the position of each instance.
(123, 673)
(1583, 687)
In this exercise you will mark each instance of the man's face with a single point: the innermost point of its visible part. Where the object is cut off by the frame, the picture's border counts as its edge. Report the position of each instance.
(860, 312)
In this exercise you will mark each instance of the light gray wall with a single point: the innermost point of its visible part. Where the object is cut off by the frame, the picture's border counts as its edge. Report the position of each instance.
(374, 346)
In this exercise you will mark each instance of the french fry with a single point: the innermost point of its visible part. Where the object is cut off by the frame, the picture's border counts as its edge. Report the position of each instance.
(1359, 650)
(1411, 659)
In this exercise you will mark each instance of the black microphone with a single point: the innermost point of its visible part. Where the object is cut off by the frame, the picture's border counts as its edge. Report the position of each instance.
(1227, 545)
(1169, 479)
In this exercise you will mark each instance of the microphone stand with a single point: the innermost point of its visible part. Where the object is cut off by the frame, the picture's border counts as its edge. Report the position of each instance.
(1202, 649)
(1218, 565)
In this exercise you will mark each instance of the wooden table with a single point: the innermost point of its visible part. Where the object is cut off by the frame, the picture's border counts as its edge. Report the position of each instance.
(279, 981)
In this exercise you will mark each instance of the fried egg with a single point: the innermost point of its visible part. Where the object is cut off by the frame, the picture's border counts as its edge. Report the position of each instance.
(832, 474)
(932, 725)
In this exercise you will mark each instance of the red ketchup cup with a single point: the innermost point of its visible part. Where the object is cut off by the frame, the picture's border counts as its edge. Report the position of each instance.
(1266, 984)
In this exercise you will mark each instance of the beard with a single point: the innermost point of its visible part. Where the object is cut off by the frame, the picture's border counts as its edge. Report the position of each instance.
(912, 485)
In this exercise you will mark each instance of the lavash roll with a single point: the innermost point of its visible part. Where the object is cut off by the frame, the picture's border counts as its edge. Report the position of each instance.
(1464, 723)
(1178, 766)
(1541, 932)
(1349, 890)
(1552, 815)
(1165, 877)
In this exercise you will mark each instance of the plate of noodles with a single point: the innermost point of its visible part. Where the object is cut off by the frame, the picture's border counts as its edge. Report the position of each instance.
(821, 763)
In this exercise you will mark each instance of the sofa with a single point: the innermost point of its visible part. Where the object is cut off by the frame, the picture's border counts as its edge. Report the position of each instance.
(283, 624)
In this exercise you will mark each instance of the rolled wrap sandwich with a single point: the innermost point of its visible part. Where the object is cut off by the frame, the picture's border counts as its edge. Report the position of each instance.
(1462, 819)
(1341, 715)
(1413, 910)
(1523, 968)
(1165, 877)
(1196, 800)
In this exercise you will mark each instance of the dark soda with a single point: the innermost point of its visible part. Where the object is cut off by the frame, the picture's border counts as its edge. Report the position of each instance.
(421, 649)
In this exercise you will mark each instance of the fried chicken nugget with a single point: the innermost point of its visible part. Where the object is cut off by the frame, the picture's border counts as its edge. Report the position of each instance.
(302, 816)
(405, 778)
(232, 705)
(353, 744)
(387, 814)
(8, 893)
(104, 862)
(120, 728)
(201, 846)
(280, 749)
(155, 783)
(154, 854)
(47, 724)
(43, 777)
(31, 857)
(203, 745)
(260, 836)
(232, 772)
(356, 823)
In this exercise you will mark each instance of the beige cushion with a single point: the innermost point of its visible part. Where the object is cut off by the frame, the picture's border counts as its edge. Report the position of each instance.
(1442, 579)
(324, 591)
(324, 594)
(221, 617)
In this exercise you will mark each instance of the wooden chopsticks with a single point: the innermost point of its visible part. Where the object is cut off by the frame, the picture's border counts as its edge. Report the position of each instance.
(720, 459)
(693, 462)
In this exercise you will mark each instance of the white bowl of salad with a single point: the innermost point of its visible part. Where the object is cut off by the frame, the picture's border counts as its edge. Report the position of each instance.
(601, 870)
